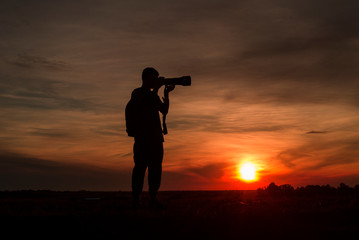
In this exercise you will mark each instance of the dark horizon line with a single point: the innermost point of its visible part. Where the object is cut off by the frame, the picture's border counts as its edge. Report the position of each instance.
(341, 185)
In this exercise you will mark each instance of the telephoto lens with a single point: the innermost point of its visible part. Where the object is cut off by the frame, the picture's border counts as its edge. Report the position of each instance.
(184, 81)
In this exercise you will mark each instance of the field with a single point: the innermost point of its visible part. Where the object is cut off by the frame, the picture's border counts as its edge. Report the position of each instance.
(188, 215)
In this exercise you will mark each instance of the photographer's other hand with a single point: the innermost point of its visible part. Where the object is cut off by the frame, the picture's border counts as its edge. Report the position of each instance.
(169, 88)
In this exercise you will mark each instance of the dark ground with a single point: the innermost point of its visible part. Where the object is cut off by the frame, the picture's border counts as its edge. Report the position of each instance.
(203, 215)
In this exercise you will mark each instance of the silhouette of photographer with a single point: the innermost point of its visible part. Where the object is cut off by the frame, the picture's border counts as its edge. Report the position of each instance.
(143, 123)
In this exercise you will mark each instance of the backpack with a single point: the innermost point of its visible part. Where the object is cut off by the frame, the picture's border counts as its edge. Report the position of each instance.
(130, 115)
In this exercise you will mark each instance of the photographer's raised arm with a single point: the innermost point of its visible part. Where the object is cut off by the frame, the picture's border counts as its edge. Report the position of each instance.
(166, 101)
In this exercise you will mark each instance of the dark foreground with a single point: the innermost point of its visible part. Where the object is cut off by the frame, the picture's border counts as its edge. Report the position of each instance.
(203, 215)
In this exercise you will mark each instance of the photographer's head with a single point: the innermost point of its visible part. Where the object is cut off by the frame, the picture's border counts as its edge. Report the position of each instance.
(150, 78)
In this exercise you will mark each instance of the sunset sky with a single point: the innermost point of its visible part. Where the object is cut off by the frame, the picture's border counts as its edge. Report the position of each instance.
(274, 83)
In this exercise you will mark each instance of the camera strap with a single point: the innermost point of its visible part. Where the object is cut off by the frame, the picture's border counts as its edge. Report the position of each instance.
(164, 126)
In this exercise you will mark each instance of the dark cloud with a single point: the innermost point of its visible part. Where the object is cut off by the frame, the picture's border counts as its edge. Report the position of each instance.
(24, 172)
(210, 171)
(317, 132)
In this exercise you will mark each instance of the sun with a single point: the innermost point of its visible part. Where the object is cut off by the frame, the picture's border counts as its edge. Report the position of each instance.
(247, 172)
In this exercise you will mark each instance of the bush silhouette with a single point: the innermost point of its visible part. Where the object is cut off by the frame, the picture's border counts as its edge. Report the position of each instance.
(287, 190)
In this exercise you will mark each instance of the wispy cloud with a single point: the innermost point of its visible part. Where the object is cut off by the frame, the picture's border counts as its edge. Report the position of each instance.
(27, 61)
(317, 132)
(50, 133)
(42, 94)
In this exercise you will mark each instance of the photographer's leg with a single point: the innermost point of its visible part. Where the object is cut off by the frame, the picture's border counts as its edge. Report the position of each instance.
(138, 173)
(155, 171)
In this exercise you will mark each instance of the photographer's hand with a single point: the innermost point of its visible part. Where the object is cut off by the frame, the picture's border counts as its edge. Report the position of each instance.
(168, 88)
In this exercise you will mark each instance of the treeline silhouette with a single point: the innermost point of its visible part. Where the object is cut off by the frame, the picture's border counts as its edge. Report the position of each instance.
(288, 190)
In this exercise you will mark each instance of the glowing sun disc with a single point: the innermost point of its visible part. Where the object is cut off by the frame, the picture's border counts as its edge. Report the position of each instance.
(247, 172)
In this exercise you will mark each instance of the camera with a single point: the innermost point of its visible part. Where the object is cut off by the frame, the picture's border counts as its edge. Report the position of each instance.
(184, 81)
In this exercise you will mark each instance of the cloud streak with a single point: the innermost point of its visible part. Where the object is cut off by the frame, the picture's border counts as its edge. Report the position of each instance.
(41, 93)
(322, 152)
(26, 61)
(317, 132)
